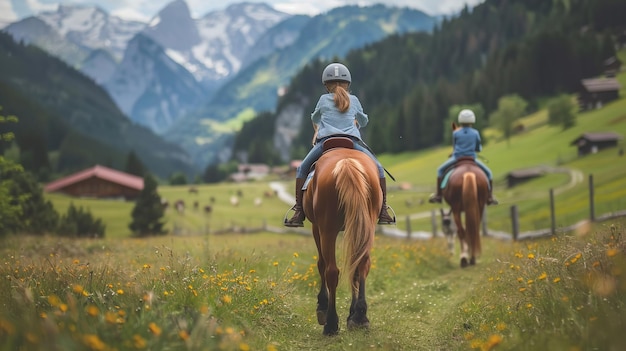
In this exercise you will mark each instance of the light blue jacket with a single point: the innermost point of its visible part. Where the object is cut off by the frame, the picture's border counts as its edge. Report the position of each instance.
(331, 122)
(465, 142)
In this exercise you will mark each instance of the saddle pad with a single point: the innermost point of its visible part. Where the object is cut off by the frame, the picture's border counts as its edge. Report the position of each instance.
(308, 179)
(446, 177)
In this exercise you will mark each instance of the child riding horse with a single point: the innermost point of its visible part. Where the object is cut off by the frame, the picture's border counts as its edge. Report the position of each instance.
(338, 113)
(466, 143)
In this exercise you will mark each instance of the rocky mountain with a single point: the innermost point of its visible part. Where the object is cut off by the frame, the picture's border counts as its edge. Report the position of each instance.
(149, 86)
(66, 117)
(256, 87)
(210, 49)
(87, 28)
(198, 80)
(213, 47)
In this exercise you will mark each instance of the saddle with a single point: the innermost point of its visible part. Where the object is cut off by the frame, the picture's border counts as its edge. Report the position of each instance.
(448, 171)
(459, 161)
(335, 142)
(329, 144)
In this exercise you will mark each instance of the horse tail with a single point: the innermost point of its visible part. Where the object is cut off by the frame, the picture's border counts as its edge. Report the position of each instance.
(472, 213)
(354, 197)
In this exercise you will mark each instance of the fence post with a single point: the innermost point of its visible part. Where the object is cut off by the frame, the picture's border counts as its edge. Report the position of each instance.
(552, 218)
(433, 222)
(408, 227)
(514, 221)
(591, 196)
(484, 220)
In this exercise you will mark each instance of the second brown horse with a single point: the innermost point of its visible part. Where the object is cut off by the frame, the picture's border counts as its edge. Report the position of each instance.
(467, 192)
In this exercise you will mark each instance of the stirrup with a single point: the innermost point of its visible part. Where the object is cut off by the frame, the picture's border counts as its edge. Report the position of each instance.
(387, 218)
(434, 198)
(293, 221)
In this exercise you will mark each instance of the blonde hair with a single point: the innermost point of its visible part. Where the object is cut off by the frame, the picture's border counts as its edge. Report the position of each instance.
(342, 98)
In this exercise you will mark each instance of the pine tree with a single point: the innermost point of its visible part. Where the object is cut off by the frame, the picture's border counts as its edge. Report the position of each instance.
(134, 165)
(148, 210)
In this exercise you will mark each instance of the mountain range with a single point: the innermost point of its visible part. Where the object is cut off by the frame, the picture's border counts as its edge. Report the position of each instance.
(195, 81)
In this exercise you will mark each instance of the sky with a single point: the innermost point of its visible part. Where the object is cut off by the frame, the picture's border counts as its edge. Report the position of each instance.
(144, 10)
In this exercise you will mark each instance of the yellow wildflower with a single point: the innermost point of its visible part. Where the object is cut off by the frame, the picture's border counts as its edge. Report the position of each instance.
(139, 342)
(154, 329)
(93, 342)
(227, 299)
(93, 310)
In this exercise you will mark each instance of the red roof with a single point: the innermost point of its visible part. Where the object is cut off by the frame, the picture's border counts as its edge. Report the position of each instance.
(114, 176)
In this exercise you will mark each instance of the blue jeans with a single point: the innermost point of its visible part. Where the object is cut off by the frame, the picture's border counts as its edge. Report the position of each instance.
(449, 162)
(315, 153)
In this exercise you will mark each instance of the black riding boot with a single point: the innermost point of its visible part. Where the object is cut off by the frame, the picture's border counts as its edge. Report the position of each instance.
(436, 197)
(491, 200)
(297, 220)
(384, 217)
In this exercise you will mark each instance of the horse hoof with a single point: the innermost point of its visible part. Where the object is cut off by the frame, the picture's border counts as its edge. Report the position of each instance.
(464, 262)
(352, 325)
(330, 331)
(321, 317)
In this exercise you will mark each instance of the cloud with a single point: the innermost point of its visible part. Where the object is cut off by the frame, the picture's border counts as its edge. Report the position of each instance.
(8, 15)
(37, 6)
(131, 14)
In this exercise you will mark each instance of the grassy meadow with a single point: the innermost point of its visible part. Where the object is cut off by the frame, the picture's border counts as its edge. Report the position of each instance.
(197, 289)
(258, 292)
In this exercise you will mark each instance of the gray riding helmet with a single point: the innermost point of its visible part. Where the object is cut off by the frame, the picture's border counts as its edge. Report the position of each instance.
(336, 71)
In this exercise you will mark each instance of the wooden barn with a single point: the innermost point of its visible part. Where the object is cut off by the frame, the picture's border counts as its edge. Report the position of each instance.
(98, 182)
(612, 66)
(516, 177)
(594, 142)
(597, 91)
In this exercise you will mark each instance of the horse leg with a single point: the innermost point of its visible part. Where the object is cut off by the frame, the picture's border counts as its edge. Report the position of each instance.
(358, 307)
(322, 296)
(331, 275)
(450, 237)
(460, 230)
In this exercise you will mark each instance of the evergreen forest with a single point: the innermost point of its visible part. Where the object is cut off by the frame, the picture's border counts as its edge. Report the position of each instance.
(408, 83)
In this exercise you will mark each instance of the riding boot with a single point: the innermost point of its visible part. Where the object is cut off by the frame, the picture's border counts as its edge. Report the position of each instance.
(298, 217)
(491, 200)
(384, 217)
(436, 198)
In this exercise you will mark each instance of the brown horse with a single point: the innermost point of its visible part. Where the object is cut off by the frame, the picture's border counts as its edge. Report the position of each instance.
(467, 191)
(343, 194)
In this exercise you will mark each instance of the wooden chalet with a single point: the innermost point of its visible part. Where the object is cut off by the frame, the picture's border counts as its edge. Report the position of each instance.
(98, 182)
(516, 177)
(612, 66)
(594, 142)
(596, 92)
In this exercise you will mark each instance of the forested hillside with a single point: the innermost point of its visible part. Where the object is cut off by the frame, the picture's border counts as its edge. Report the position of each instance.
(67, 122)
(407, 83)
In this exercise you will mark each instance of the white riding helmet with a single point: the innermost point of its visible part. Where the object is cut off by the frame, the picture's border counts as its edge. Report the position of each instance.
(467, 116)
(336, 71)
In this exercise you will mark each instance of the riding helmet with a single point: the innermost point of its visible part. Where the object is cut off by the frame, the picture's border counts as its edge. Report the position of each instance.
(467, 116)
(336, 72)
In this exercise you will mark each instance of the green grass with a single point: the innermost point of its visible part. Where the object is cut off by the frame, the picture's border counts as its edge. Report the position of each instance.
(415, 173)
(257, 292)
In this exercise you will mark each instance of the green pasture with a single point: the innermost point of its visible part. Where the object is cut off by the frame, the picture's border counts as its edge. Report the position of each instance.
(258, 292)
(415, 175)
(539, 145)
